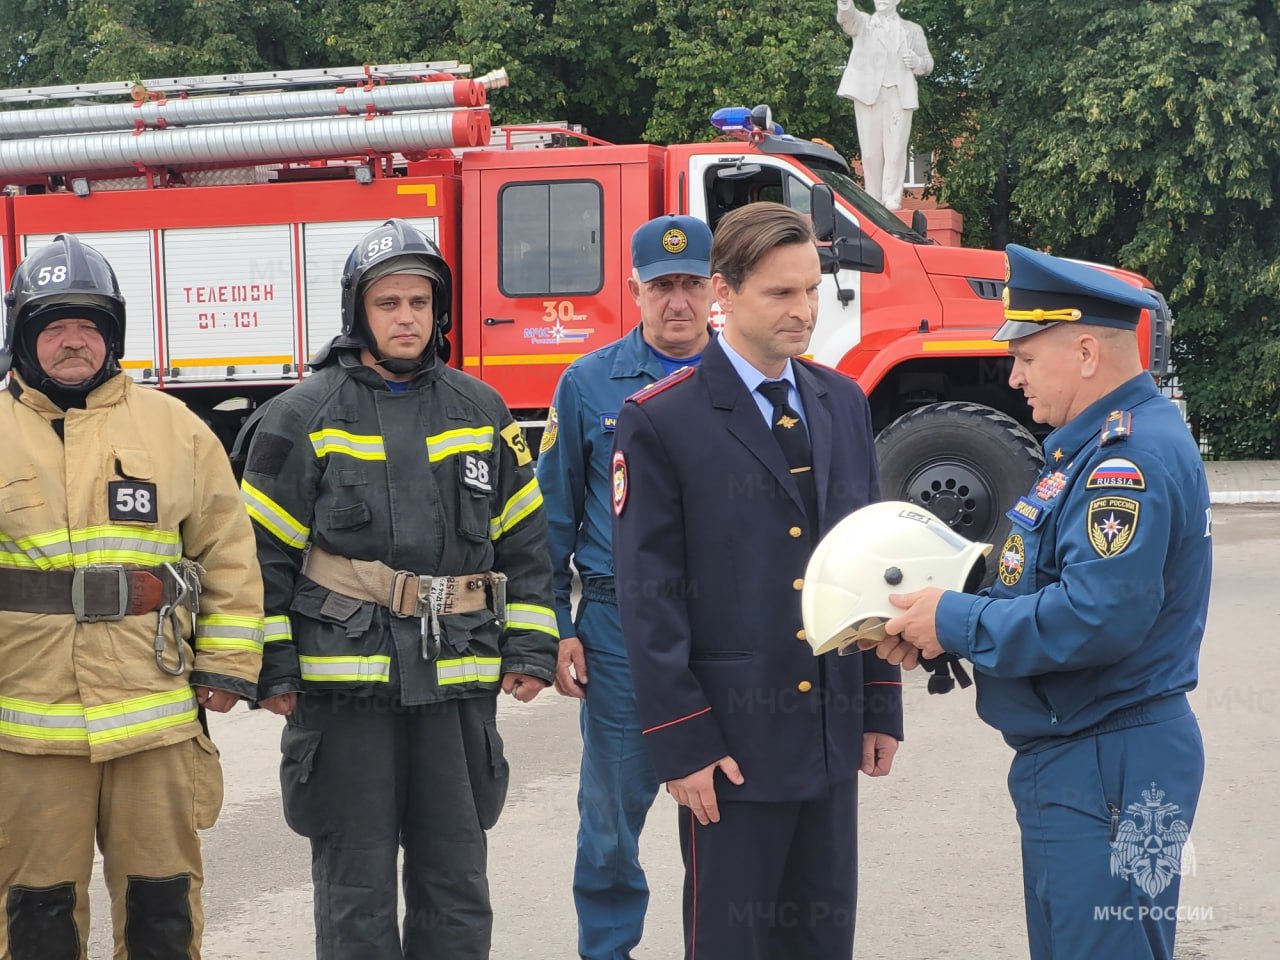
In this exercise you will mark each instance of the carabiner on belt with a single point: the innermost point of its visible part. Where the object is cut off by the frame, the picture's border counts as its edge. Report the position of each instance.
(169, 611)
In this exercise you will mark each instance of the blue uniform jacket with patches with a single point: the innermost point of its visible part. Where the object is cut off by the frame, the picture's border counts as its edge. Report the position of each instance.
(573, 464)
(436, 480)
(710, 550)
(1102, 586)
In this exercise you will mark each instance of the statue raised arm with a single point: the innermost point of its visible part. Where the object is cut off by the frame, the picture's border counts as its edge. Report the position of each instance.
(888, 54)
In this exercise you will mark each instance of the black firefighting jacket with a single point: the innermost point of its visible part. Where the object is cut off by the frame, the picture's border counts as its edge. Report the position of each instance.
(435, 479)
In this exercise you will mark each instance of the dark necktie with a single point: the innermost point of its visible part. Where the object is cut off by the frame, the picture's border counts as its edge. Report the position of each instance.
(793, 438)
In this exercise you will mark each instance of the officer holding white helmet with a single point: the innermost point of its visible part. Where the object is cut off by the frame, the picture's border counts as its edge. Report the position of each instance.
(1087, 643)
(403, 547)
(119, 510)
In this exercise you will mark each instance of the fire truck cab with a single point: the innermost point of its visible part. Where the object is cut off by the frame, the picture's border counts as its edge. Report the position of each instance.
(230, 260)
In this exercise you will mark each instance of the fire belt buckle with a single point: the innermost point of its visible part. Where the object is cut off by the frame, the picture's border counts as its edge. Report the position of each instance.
(77, 592)
(396, 595)
(187, 573)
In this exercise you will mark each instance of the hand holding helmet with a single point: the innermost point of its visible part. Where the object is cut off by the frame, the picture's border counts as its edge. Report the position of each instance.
(877, 562)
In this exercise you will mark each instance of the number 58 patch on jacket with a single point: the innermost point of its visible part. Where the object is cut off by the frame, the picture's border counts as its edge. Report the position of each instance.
(131, 500)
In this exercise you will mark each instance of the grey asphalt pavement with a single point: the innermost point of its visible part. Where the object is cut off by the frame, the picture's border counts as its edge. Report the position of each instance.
(939, 846)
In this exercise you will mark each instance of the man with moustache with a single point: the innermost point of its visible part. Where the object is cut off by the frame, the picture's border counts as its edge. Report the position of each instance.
(130, 603)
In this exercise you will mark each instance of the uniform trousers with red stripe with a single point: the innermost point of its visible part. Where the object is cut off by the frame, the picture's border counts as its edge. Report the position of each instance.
(772, 881)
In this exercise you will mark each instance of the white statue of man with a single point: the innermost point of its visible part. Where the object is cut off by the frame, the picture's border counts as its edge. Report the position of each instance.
(888, 54)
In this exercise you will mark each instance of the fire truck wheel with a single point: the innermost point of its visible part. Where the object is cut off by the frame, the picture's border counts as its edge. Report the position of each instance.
(966, 462)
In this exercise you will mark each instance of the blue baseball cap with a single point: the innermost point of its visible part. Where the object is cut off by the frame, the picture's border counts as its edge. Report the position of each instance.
(1041, 291)
(671, 244)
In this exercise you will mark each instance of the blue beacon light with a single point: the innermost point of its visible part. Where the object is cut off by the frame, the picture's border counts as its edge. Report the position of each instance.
(739, 120)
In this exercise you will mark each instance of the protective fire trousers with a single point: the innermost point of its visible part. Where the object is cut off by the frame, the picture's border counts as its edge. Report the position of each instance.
(616, 789)
(144, 809)
(1104, 820)
(364, 776)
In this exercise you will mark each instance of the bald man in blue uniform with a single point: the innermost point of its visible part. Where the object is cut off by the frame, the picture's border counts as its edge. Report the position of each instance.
(670, 283)
(1086, 645)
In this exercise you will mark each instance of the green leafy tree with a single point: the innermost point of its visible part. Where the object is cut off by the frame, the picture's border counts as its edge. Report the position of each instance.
(62, 41)
(708, 54)
(41, 44)
(1147, 136)
(341, 33)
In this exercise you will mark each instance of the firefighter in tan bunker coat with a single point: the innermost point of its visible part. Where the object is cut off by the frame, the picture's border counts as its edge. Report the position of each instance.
(123, 545)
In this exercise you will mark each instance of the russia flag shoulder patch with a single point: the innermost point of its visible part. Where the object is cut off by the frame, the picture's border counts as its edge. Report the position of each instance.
(1116, 472)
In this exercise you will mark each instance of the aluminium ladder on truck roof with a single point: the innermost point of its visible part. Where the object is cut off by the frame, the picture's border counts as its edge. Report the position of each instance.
(230, 82)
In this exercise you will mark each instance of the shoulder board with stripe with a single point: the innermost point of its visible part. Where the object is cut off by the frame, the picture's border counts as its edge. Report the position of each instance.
(655, 388)
(1118, 426)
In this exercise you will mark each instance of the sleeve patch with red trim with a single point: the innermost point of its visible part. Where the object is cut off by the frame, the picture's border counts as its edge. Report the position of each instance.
(619, 473)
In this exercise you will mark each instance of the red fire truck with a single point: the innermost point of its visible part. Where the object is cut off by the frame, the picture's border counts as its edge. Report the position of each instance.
(227, 212)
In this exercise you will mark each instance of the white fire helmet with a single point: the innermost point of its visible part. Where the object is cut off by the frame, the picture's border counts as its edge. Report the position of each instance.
(885, 548)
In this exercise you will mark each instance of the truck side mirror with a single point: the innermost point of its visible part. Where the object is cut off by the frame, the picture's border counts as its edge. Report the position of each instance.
(822, 207)
(837, 248)
(920, 223)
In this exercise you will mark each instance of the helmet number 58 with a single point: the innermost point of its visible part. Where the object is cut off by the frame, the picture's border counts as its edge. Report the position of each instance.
(51, 274)
(379, 246)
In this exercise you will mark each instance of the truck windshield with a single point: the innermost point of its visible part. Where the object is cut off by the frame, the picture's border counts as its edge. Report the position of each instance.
(862, 202)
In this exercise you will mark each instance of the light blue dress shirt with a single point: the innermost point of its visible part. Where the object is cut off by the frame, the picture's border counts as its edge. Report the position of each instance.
(753, 378)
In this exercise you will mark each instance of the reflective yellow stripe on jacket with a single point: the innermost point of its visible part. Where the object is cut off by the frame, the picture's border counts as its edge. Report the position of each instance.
(527, 616)
(275, 629)
(222, 631)
(469, 670)
(477, 439)
(42, 721)
(105, 723)
(524, 502)
(103, 543)
(328, 441)
(131, 718)
(346, 669)
(272, 517)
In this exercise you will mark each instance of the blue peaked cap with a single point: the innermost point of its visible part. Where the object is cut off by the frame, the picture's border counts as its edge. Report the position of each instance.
(671, 244)
(1041, 291)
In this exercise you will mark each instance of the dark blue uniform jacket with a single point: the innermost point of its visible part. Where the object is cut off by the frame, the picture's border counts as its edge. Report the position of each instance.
(573, 465)
(710, 549)
(1103, 584)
